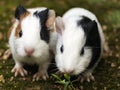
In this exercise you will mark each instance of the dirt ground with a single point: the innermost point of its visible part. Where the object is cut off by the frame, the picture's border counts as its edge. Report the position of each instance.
(107, 73)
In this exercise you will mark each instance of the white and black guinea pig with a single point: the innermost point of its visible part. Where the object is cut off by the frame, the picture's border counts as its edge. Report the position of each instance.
(80, 43)
(30, 39)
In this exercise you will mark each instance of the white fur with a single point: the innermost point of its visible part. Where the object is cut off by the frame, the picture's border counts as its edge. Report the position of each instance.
(30, 27)
(53, 41)
(76, 12)
(32, 10)
(31, 39)
(73, 39)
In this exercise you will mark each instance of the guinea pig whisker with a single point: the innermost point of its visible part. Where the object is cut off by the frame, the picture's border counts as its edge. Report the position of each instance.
(53, 63)
(75, 80)
(91, 47)
(58, 72)
(53, 70)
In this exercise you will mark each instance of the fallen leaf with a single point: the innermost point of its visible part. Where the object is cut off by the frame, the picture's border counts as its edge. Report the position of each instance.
(6, 54)
(2, 79)
(11, 78)
(1, 52)
(1, 36)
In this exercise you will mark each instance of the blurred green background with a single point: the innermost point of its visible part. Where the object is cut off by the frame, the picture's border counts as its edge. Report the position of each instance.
(107, 74)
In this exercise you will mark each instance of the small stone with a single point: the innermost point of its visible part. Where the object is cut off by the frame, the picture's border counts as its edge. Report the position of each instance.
(105, 88)
(110, 53)
(116, 39)
(113, 65)
(117, 55)
(3, 62)
(24, 78)
(104, 27)
(117, 47)
(81, 88)
(118, 85)
(95, 88)
(119, 67)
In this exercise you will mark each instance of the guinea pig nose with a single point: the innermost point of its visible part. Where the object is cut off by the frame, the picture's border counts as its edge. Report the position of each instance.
(29, 51)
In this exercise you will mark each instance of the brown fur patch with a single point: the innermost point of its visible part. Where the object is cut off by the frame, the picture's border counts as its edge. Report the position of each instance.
(18, 29)
(24, 15)
(11, 28)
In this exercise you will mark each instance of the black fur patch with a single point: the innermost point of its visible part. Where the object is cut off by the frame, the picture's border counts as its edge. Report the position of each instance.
(43, 16)
(19, 11)
(92, 38)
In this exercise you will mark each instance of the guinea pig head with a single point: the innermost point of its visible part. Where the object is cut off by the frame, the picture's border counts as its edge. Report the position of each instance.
(72, 55)
(32, 33)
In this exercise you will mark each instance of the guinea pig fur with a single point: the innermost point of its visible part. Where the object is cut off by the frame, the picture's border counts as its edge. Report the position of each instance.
(30, 39)
(80, 43)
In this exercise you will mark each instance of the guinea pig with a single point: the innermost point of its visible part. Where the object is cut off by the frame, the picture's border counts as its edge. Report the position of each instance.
(80, 43)
(31, 39)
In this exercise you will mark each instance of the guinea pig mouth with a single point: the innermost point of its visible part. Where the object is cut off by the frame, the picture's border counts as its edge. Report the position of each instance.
(30, 56)
(69, 72)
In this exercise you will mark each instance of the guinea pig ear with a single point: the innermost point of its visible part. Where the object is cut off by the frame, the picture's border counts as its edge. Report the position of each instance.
(19, 11)
(59, 25)
(51, 19)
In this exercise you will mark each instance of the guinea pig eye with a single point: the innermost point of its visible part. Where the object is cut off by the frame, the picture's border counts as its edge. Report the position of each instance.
(20, 33)
(82, 52)
(61, 49)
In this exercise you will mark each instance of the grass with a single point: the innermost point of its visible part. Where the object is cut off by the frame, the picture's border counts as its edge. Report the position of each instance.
(66, 82)
(107, 74)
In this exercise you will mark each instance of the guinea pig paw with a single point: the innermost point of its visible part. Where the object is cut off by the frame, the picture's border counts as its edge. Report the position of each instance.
(90, 77)
(37, 76)
(86, 77)
(19, 70)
